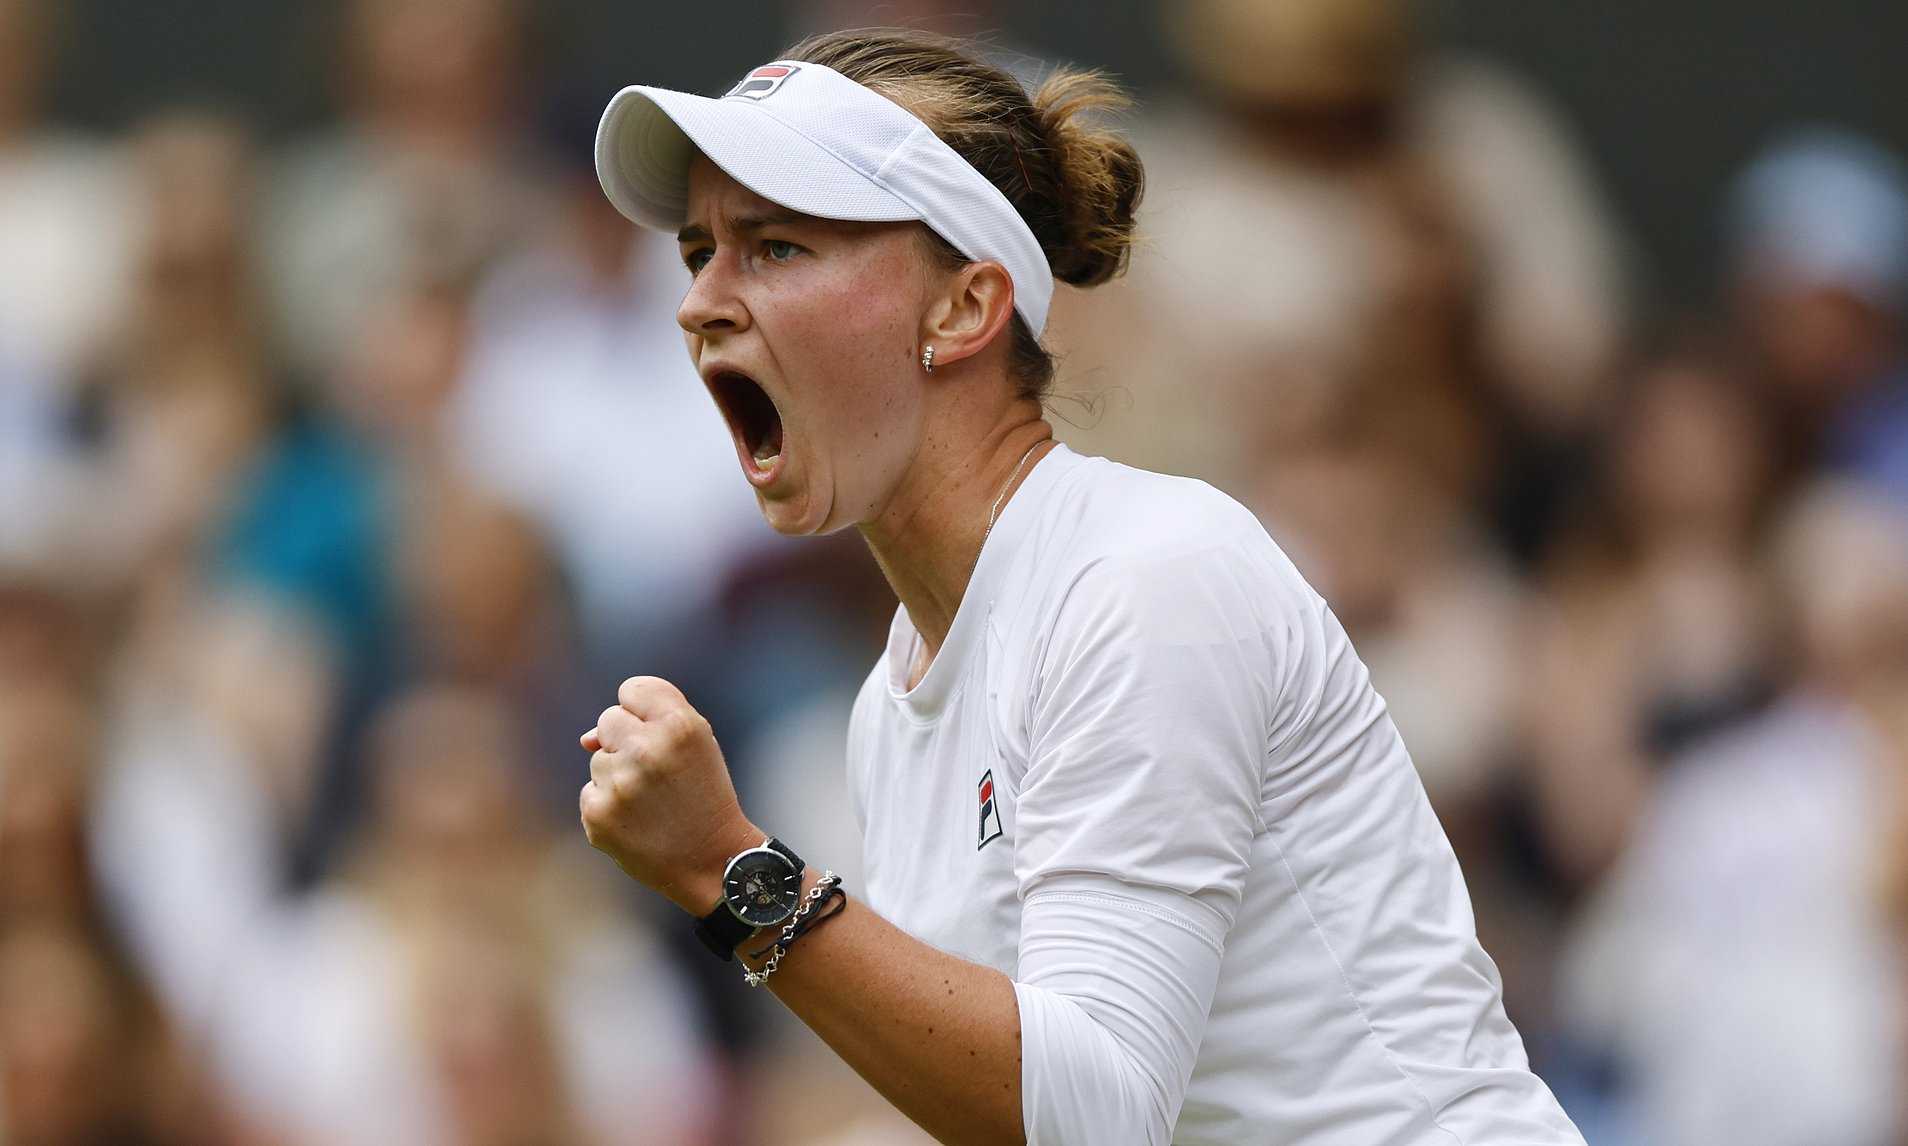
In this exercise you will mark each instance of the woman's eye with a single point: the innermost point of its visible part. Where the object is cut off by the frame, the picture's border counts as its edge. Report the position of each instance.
(780, 250)
(697, 259)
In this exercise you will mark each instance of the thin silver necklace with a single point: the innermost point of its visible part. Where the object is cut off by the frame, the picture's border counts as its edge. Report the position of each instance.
(920, 643)
(994, 513)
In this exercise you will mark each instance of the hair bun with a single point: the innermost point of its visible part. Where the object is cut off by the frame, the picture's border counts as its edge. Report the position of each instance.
(1073, 181)
(1100, 174)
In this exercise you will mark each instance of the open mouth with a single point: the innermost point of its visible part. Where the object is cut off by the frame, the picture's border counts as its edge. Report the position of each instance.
(752, 417)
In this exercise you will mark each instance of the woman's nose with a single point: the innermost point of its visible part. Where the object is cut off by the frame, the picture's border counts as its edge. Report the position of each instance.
(712, 304)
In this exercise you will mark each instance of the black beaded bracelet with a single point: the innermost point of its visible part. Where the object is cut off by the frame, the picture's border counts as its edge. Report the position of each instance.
(825, 901)
(831, 904)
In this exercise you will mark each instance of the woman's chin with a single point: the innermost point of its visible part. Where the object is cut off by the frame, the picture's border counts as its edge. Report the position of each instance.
(790, 517)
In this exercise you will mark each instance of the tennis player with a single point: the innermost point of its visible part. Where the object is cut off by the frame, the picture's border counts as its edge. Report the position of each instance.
(1146, 860)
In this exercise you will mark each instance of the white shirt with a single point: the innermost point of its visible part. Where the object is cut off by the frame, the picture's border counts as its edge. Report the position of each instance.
(69, 226)
(1147, 778)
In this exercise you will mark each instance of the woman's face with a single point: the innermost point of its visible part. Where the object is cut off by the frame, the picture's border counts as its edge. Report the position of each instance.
(807, 331)
(1692, 453)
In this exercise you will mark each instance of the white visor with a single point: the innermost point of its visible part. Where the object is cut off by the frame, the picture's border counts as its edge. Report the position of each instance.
(810, 139)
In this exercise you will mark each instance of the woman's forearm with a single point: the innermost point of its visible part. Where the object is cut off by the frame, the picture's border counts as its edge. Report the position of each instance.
(936, 1035)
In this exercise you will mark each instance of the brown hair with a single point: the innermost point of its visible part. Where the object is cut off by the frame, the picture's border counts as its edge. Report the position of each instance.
(1075, 184)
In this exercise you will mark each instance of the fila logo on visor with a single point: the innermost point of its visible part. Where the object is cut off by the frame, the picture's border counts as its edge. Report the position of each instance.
(989, 814)
(763, 81)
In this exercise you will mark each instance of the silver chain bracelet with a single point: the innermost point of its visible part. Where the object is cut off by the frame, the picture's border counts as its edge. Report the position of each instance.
(821, 891)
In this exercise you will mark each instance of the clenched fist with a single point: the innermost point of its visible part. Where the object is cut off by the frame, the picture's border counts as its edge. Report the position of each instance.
(660, 801)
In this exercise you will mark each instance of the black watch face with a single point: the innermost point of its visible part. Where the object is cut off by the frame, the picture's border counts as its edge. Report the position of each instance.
(762, 888)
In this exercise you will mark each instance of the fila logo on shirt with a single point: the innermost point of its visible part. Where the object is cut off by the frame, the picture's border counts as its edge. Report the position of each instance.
(763, 81)
(989, 814)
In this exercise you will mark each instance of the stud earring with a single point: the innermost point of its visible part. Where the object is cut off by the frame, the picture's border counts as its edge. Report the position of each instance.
(927, 359)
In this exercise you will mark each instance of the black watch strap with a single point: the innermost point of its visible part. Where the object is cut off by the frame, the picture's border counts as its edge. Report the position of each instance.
(721, 930)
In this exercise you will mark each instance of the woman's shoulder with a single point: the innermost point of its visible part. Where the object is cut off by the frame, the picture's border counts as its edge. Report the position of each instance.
(1122, 513)
(1118, 541)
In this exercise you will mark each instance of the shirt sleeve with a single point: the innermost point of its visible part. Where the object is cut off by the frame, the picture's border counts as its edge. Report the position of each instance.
(1113, 990)
(1149, 727)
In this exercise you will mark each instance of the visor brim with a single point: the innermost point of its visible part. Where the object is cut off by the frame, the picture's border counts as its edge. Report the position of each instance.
(649, 136)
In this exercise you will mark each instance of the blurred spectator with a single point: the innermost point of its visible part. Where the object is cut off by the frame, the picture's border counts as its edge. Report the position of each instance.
(1820, 233)
(481, 602)
(47, 635)
(1340, 186)
(198, 455)
(426, 180)
(66, 213)
(45, 780)
(223, 517)
(84, 1056)
(213, 748)
(1657, 624)
(486, 1028)
(65, 229)
(39, 473)
(464, 947)
(580, 407)
(179, 402)
(1740, 965)
(396, 378)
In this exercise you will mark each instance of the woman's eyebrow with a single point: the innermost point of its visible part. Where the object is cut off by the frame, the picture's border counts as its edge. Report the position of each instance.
(771, 219)
(697, 233)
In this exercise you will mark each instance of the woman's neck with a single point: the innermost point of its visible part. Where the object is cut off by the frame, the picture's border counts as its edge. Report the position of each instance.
(929, 538)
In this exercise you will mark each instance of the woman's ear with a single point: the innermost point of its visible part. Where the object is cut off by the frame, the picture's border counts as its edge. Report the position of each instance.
(973, 307)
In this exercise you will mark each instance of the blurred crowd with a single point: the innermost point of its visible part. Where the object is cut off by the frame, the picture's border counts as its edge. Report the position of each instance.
(342, 479)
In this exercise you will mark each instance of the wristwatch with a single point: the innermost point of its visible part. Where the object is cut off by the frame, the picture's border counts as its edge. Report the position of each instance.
(761, 887)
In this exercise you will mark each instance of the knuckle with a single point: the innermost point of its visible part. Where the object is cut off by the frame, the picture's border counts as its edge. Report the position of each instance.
(617, 784)
(621, 786)
(625, 732)
(677, 725)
